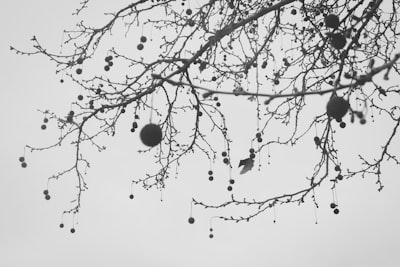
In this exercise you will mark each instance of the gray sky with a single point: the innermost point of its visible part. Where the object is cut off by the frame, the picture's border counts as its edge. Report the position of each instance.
(114, 230)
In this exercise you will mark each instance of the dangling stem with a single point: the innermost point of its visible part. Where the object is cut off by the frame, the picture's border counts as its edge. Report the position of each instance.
(151, 107)
(191, 208)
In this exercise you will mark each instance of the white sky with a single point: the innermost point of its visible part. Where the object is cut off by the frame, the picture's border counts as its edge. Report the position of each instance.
(114, 230)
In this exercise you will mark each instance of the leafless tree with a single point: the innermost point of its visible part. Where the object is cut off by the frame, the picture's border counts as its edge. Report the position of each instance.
(275, 54)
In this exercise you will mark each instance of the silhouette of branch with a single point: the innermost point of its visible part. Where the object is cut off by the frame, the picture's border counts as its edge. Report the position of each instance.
(273, 54)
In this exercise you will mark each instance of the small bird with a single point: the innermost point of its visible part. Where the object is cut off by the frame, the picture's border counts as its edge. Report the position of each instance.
(247, 165)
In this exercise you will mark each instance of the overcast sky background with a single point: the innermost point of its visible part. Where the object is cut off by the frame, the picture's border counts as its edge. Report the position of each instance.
(114, 230)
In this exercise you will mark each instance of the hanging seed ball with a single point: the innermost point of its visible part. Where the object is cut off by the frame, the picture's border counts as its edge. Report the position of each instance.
(337, 168)
(131, 196)
(61, 80)
(140, 46)
(293, 12)
(211, 235)
(191, 23)
(338, 41)
(189, 12)
(151, 134)
(45, 120)
(110, 63)
(333, 205)
(231, 181)
(226, 160)
(337, 107)
(342, 124)
(332, 21)
(24, 165)
(43, 127)
(80, 97)
(224, 154)
(47, 197)
(211, 178)
(336, 211)
(191, 220)
(61, 225)
(317, 141)
(21, 159)
(230, 188)
(210, 172)
(106, 67)
(339, 177)
(45, 192)
(80, 60)
(72, 230)
(143, 39)
(78, 71)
